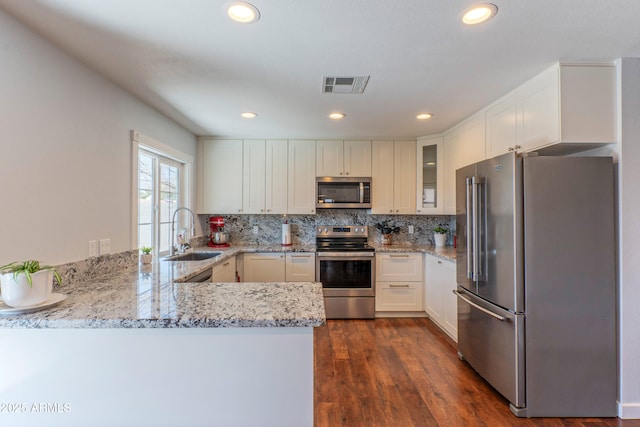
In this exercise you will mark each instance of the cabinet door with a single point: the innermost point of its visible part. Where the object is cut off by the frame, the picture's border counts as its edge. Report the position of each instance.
(539, 110)
(449, 299)
(404, 186)
(276, 177)
(357, 158)
(429, 176)
(463, 146)
(433, 289)
(300, 267)
(329, 158)
(253, 182)
(264, 267)
(382, 177)
(225, 272)
(398, 296)
(399, 267)
(439, 301)
(502, 130)
(301, 196)
(222, 176)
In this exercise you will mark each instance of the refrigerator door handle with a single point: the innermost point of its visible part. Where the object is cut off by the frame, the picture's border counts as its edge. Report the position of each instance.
(469, 208)
(476, 234)
(482, 309)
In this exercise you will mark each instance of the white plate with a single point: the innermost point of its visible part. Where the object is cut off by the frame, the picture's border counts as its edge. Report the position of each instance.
(53, 300)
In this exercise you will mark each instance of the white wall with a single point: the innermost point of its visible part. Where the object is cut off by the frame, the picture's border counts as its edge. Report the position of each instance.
(65, 151)
(629, 237)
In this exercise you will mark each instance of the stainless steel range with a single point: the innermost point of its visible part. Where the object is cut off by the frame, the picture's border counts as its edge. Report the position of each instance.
(345, 264)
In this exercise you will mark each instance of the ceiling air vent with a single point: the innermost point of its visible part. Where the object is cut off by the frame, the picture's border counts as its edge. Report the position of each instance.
(354, 84)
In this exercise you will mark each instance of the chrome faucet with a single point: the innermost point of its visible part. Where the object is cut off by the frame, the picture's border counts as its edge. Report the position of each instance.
(183, 246)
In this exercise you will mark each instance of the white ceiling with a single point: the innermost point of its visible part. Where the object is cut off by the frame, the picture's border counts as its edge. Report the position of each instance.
(188, 60)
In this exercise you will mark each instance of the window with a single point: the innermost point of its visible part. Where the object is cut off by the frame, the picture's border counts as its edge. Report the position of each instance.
(158, 197)
(160, 187)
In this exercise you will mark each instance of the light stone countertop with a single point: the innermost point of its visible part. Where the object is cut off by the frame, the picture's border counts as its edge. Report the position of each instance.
(160, 296)
(447, 253)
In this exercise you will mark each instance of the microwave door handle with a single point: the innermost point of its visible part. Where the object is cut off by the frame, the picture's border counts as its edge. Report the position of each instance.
(468, 209)
(362, 192)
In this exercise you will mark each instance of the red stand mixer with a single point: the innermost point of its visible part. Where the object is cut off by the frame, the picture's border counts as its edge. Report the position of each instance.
(217, 236)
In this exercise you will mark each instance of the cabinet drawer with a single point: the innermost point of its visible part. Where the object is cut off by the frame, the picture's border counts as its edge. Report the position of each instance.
(399, 267)
(398, 296)
(300, 267)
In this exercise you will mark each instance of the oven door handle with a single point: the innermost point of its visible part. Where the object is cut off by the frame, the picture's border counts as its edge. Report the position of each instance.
(344, 254)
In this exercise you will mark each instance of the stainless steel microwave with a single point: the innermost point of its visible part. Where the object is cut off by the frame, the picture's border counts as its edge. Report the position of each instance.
(343, 193)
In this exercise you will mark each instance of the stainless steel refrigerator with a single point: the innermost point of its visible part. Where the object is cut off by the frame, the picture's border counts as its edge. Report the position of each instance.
(536, 282)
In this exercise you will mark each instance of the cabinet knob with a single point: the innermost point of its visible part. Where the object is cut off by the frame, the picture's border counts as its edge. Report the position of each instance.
(346, 173)
(261, 210)
(239, 210)
(397, 210)
(391, 211)
(518, 147)
(340, 173)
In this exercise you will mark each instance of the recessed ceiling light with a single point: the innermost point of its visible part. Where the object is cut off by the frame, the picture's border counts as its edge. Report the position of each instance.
(243, 12)
(248, 115)
(336, 116)
(479, 13)
(424, 116)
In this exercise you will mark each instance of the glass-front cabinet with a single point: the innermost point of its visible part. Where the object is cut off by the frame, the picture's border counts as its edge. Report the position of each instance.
(429, 176)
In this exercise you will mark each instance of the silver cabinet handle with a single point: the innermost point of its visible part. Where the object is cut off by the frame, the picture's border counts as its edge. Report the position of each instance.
(398, 286)
(482, 309)
(300, 256)
(398, 256)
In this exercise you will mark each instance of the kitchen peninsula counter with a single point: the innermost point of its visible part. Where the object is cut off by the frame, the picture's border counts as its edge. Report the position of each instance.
(140, 346)
(159, 295)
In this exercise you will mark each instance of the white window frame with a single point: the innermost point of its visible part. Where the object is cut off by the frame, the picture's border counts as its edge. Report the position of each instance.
(141, 141)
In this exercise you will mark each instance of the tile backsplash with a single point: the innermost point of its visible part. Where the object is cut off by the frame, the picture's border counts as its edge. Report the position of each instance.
(303, 227)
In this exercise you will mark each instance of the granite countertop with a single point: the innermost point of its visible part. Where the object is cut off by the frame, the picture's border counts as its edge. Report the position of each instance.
(159, 296)
(447, 253)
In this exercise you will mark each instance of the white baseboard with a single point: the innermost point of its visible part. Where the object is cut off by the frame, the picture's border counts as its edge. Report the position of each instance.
(629, 411)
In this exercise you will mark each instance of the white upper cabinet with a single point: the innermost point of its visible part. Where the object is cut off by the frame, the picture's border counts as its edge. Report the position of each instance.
(463, 145)
(343, 158)
(382, 201)
(264, 184)
(502, 129)
(301, 177)
(357, 158)
(429, 173)
(222, 176)
(393, 175)
(566, 108)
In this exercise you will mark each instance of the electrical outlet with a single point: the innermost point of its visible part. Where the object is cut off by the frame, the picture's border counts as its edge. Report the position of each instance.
(93, 248)
(105, 246)
(255, 229)
(411, 229)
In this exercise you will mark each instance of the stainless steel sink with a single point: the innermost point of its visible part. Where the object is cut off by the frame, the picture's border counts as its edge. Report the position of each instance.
(193, 256)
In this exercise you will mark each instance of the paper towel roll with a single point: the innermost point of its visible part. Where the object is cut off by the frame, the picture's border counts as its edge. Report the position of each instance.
(286, 234)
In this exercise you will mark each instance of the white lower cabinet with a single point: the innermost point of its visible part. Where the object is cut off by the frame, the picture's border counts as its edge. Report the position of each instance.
(276, 267)
(225, 272)
(300, 267)
(399, 282)
(264, 267)
(439, 300)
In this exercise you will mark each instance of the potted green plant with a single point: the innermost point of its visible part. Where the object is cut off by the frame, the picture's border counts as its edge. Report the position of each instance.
(386, 229)
(27, 284)
(440, 235)
(146, 256)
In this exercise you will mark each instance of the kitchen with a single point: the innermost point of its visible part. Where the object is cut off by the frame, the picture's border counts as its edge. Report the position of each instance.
(56, 108)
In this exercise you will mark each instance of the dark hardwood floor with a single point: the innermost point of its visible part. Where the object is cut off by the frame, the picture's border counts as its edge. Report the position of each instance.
(406, 372)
